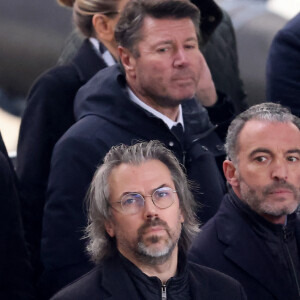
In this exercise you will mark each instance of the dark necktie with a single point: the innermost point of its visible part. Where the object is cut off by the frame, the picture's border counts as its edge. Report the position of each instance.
(177, 130)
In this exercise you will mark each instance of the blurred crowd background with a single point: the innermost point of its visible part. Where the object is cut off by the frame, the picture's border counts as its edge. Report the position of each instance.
(33, 34)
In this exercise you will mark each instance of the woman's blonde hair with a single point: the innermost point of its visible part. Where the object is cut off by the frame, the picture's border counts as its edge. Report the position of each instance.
(84, 10)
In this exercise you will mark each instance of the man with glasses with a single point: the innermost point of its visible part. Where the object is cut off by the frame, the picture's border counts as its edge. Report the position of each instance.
(141, 222)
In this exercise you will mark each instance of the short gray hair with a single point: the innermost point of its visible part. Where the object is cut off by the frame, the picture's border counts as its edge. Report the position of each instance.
(101, 245)
(271, 112)
(128, 30)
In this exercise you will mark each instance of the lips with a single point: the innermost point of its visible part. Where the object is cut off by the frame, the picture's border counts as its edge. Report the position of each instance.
(281, 191)
(152, 229)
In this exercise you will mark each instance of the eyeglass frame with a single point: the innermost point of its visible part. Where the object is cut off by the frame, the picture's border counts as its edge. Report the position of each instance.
(143, 197)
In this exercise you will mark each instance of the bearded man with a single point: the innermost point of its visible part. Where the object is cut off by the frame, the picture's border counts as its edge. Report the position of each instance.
(255, 235)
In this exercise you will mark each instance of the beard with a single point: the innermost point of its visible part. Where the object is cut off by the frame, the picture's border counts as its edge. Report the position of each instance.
(147, 248)
(258, 200)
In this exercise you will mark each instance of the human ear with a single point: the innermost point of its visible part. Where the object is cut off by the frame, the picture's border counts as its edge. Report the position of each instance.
(103, 28)
(127, 60)
(230, 173)
(109, 228)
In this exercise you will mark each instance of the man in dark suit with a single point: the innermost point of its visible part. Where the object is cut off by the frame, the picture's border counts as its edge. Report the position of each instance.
(141, 221)
(255, 235)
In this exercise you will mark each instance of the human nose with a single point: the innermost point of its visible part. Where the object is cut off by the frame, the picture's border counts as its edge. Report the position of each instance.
(279, 170)
(180, 58)
(150, 210)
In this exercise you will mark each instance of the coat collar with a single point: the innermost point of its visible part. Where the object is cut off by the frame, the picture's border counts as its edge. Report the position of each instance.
(87, 62)
(244, 248)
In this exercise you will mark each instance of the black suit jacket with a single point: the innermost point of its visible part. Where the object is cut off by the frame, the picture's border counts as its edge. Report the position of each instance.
(227, 243)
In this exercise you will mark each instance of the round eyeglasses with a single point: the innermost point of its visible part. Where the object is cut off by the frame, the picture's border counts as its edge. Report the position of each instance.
(132, 203)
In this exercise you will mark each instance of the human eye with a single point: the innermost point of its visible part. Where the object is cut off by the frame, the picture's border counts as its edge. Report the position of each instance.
(260, 159)
(163, 192)
(292, 158)
(130, 200)
(190, 46)
(163, 49)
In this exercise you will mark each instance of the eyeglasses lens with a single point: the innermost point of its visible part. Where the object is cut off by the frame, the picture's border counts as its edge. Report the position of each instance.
(133, 202)
(163, 197)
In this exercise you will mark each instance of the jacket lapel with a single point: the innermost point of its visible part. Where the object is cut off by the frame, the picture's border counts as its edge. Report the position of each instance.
(87, 62)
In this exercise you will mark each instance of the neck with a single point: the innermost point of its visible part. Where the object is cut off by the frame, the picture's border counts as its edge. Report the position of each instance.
(171, 112)
(275, 220)
(112, 48)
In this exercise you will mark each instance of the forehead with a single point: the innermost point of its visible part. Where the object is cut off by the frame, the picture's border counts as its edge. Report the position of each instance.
(142, 178)
(275, 136)
(157, 29)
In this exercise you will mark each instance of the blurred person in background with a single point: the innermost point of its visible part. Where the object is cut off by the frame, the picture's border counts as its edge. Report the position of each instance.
(49, 111)
(283, 67)
(15, 270)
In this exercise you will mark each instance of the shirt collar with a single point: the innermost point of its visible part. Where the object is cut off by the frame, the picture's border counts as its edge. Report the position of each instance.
(170, 123)
(106, 56)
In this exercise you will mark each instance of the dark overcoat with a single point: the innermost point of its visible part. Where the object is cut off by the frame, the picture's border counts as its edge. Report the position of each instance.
(283, 67)
(48, 115)
(229, 244)
(15, 271)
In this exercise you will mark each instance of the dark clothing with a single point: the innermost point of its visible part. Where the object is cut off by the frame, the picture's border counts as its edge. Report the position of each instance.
(283, 67)
(48, 115)
(219, 50)
(15, 271)
(118, 279)
(262, 256)
(107, 117)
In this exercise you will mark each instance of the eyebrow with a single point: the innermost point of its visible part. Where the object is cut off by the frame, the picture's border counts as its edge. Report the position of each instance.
(265, 150)
(152, 191)
(294, 151)
(170, 42)
(259, 150)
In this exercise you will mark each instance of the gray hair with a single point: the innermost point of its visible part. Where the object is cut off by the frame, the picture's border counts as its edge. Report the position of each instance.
(271, 112)
(101, 245)
(128, 30)
(84, 10)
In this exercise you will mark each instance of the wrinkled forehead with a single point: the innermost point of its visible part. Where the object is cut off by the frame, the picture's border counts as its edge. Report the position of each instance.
(275, 136)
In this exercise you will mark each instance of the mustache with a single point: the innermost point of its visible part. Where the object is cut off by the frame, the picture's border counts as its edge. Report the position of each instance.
(152, 223)
(183, 73)
(275, 185)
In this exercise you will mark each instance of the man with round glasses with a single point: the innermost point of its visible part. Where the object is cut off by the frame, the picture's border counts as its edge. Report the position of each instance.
(141, 222)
